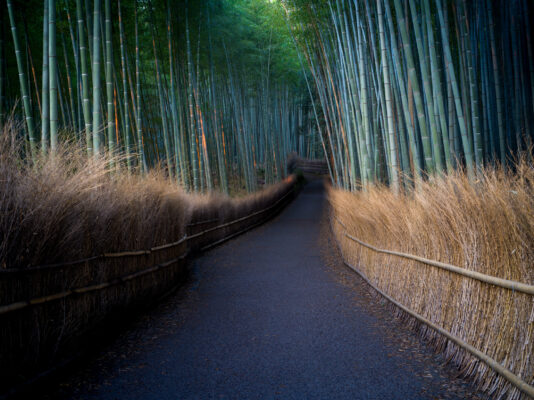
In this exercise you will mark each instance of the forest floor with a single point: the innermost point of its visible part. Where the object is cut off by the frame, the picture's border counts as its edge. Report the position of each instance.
(271, 314)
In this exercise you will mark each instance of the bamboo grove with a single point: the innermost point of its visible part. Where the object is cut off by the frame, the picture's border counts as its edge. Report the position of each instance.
(160, 83)
(408, 89)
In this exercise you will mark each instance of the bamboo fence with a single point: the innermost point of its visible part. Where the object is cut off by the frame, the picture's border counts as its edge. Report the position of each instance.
(513, 379)
(47, 312)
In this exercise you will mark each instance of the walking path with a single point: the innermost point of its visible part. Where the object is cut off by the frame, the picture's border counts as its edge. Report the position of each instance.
(268, 316)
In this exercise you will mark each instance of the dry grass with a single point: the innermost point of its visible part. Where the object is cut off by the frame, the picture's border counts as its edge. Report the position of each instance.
(68, 207)
(486, 227)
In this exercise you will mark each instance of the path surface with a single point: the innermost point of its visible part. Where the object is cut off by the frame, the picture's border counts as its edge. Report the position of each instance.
(267, 316)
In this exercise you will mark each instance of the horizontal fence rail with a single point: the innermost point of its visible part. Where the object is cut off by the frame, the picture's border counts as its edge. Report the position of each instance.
(520, 287)
(492, 280)
(100, 286)
(4, 309)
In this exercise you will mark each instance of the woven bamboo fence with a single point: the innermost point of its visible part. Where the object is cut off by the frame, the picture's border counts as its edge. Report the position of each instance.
(47, 312)
(505, 381)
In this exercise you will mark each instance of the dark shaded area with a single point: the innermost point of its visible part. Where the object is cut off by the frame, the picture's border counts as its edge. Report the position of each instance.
(264, 317)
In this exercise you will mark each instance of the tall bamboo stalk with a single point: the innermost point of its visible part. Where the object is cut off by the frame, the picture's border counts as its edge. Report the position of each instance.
(193, 139)
(45, 109)
(140, 143)
(109, 79)
(394, 167)
(53, 74)
(86, 105)
(22, 82)
(97, 114)
(125, 92)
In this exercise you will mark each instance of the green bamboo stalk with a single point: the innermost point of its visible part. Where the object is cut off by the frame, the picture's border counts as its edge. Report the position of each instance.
(45, 109)
(86, 105)
(22, 82)
(52, 64)
(178, 156)
(405, 103)
(437, 86)
(394, 167)
(517, 106)
(427, 149)
(140, 143)
(97, 88)
(72, 114)
(220, 156)
(125, 92)
(78, 113)
(456, 93)
(30, 70)
(436, 141)
(109, 79)
(89, 27)
(163, 113)
(473, 89)
(367, 176)
(193, 140)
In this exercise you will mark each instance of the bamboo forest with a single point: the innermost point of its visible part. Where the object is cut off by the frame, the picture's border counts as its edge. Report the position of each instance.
(386, 148)
(164, 84)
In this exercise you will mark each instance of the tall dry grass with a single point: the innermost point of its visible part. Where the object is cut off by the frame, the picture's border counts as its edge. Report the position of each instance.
(486, 227)
(67, 207)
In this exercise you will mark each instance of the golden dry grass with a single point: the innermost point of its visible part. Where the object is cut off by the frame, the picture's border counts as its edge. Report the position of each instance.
(67, 207)
(486, 227)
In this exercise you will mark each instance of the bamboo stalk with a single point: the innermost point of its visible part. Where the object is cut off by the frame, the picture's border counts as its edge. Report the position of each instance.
(45, 109)
(22, 82)
(53, 75)
(109, 79)
(97, 114)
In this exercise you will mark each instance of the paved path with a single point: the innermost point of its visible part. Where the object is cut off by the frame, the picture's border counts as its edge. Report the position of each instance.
(268, 316)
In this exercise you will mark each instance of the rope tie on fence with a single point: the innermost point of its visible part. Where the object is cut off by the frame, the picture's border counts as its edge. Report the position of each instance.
(493, 364)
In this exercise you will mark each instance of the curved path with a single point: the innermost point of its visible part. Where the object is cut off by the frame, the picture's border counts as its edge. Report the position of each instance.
(268, 316)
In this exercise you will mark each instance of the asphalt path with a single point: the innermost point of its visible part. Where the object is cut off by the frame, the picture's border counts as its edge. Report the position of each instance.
(273, 314)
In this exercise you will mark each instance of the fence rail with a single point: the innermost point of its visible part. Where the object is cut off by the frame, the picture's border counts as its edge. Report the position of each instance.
(512, 285)
(489, 279)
